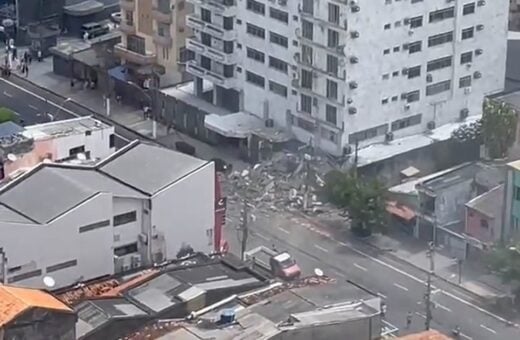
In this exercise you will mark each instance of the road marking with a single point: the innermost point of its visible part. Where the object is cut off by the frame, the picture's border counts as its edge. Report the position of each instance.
(400, 287)
(284, 230)
(43, 99)
(421, 315)
(360, 267)
(34, 107)
(337, 273)
(435, 291)
(263, 237)
(466, 336)
(381, 295)
(442, 307)
(489, 329)
(8, 94)
(321, 248)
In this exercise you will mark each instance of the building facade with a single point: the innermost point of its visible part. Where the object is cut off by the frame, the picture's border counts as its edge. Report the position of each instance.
(341, 73)
(511, 213)
(153, 41)
(138, 207)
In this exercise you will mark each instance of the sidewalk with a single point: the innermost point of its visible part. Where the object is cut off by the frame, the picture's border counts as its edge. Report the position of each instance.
(41, 74)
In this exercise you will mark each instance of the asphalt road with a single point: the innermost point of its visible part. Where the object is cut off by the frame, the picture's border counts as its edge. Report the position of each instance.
(34, 105)
(402, 286)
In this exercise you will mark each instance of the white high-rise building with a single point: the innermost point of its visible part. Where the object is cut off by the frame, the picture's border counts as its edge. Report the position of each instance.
(341, 72)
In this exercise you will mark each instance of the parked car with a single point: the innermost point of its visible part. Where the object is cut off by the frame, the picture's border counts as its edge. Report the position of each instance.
(185, 148)
(221, 165)
(94, 29)
(116, 17)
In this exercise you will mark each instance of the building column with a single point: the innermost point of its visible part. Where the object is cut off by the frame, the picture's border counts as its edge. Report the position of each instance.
(199, 87)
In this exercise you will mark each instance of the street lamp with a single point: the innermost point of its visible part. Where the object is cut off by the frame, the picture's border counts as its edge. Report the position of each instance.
(51, 117)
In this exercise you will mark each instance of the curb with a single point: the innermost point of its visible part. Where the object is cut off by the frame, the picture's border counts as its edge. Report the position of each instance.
(95, 114)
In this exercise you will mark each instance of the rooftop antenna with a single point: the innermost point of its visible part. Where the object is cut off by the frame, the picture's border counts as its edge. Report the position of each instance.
(49, 282)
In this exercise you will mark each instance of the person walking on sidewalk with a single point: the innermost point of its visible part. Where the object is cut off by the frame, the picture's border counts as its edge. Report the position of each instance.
(408, 320)
(39, 54)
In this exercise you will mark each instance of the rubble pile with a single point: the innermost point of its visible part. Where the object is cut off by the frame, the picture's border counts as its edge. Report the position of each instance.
(288, 181)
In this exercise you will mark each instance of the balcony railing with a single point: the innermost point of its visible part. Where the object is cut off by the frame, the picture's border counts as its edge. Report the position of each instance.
(210, 52)
(222, 7)
(128, 5)
(195, 69)
(161, 15)
(127, 27)
(163, 40)
(194, 21)
(134, 57)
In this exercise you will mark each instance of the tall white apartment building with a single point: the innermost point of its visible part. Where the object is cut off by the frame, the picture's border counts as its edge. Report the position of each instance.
(342, 72)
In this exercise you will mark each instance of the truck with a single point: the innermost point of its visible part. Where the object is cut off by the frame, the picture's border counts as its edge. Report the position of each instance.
(279, 264)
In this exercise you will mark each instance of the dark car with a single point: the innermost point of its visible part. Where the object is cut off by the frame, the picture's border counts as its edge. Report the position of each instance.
(185, 148)
(221, 165)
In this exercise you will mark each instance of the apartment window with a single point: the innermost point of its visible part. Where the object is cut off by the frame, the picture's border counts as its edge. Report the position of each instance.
(306, 103)
(185, 55)
(279, 89)
(129, 18)
(484, 224)
(332, 64)
(25, 276)
(307, 29)
(60, 266)
(413, 96)
(465, 81)
(332, 89)
(440, 39)
(164, 6)
(227, 23)
(468, 33)
(165, 53)
(333, 13)
(255, 55)
(278, 64)
(307, 54)
(306, 125)
(468, 9)
(414, 47)
(331, 114)
(278, 39)
(228, 71)
(125, 250)
(255, 30)
(387, 51)
(308, 6)
(406, 122)
(112, 141)
(329, 135)
(368, 134)
(466, 57)
(125, 218)
(437, 88)
(307, 79)
(94, 226)
(517, 193)
(442, 14)
(332, 38)
(163, 30)
(205, 15)
(255, 6)
(135, 44)
(416, 22)
(414, 72)
(279, 15)
(228, 47)
(438, 64)
(255, 79)
(205, 62)
(77, 150)
(387, 26)
(205, 39)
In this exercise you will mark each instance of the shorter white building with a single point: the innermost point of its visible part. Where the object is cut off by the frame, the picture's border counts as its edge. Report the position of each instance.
(57, 141)
(74, 222)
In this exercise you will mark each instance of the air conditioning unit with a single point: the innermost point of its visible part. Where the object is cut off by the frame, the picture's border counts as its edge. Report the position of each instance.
(353, 85)
(315, 101)
(430, 125)
(389, 136)
(481, 3)
(354, 60)
(411, 32)
(404, 96)
(480, 27)
(404, 71)
(347, 150)
(429, 78)
(355, 9)
(352, 110)
(295, 83)
(467, 90)
(406, 46)
(350, 100)
(464, 113)
(269, 123)
(135, 261)
(297, 57)
(477, 75)
(407, 107)
(406, 21)
(143, 238)
(354, 34)
(340, 49)
(479, 51)
(282, 2)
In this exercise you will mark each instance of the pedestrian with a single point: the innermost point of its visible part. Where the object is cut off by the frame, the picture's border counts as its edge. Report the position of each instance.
(39, 54)
(25, 57)
(383, 308)
(408, 320)
(29, 58)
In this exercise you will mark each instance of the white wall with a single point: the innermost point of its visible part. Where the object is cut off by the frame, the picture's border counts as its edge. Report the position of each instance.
(39, 246)
(128, 233)
(98, 143)
(185, 211)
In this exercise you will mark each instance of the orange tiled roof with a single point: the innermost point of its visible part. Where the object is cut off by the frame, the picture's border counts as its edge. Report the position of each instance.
(15, 300)
(426, 335)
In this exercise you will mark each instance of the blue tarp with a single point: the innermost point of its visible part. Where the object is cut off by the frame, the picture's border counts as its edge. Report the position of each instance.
(119, 73)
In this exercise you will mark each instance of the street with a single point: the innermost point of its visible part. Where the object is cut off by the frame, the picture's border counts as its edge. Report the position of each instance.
(402, 286)
(33, 105)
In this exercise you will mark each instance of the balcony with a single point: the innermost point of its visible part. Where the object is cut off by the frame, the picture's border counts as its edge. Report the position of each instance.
(193, 68)
(225, 8)
(133, 57)
(194, 21)
(127, 5)
(210, 52)
(163, 40)
(127, 27)
(162, 15)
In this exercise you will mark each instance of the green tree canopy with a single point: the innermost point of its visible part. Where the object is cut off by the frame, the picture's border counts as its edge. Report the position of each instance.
(505, 261)
(6, 115)
(364, 201)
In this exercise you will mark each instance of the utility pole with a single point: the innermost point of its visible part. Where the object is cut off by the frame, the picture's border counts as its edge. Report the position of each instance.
(428, 295)
(4, 265)
(244, 228)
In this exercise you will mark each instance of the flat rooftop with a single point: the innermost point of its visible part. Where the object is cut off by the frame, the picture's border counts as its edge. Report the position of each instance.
(75, 126)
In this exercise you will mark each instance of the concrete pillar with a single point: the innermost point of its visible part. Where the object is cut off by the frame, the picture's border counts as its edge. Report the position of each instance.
(199, 88)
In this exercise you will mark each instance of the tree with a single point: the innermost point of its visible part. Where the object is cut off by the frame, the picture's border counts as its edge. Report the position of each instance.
(6, 115)
(496, 129)
(505, 261)
(364, 201)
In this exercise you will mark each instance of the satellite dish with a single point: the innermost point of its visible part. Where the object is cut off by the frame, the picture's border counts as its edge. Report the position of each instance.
(46, 161)
(318, 272)
(49, 282)
(81, 156)
(12, 157)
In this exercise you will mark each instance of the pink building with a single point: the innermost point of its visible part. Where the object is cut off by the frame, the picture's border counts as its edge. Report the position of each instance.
(484, 217)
